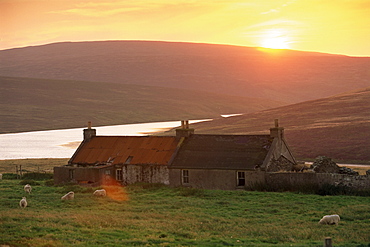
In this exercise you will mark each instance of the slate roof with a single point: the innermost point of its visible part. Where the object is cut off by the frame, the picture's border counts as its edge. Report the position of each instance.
(222, 152)
(156, 150)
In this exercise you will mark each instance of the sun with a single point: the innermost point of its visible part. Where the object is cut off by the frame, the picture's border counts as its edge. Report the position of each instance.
(275, 39)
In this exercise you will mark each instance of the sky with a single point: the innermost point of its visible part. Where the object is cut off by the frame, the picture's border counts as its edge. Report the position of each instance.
(329, 26)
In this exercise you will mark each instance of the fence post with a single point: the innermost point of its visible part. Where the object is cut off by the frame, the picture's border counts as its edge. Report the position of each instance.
(327, 242)
(20, 168)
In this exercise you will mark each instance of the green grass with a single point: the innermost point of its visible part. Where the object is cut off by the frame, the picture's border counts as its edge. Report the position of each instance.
(156, 215)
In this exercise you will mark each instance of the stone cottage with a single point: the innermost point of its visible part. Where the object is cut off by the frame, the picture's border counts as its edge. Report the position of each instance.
(196, 160)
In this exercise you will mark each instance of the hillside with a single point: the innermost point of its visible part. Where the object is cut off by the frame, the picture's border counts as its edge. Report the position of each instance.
(289, 76)
(338, 126)
(37, 104)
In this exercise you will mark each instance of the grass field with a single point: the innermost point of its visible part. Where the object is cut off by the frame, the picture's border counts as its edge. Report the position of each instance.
(31, 165)
(155, 215)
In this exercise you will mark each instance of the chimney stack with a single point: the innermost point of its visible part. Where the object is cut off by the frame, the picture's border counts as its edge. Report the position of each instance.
(277, 131)
(184, 131)
(89, 132)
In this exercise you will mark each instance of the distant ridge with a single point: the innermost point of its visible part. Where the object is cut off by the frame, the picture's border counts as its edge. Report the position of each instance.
(29, 104)
(286, 76)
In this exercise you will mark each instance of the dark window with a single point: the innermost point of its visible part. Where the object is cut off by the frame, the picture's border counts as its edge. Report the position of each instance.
(185, 176)
(119, 175)
(240, 178)
(71, 174)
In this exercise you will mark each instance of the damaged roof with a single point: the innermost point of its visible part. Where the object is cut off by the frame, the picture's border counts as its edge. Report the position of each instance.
(156, 150)
(222, 152)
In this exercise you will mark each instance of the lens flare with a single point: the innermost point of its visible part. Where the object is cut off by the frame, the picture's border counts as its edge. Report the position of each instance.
(115, 190)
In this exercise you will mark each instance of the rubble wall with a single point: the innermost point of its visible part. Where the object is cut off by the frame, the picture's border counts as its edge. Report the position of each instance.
(279, 180)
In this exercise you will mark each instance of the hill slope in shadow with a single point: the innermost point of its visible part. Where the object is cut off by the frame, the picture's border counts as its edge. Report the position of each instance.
(38, 104)
(338, 126)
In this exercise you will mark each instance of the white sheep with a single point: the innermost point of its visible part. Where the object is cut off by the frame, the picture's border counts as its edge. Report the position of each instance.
(23, 202)
(101, 192)
(69, 196)
(330, 220)
(28, 188)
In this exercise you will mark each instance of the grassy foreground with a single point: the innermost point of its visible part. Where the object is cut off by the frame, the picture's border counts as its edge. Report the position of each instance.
(156, 215)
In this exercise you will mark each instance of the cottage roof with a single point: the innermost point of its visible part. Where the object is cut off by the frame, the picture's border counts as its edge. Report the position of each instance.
(222, 152)
(156, 150)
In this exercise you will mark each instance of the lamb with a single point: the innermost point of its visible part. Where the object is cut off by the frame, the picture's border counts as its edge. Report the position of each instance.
(101, 192)
(23, 202)
(330, 220)
(28, 188)
(69, 196)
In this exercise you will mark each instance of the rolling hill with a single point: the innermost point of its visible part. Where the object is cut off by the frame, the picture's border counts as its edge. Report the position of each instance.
(118, 82)
(285, 75)
(337, 126)
(39, 104)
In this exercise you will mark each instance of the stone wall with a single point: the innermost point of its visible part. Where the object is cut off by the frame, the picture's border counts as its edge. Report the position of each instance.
(292, 179)
(144, 173)
(214, 179)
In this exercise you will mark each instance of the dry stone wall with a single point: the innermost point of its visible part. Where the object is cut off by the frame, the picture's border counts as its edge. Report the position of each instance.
(296, 180)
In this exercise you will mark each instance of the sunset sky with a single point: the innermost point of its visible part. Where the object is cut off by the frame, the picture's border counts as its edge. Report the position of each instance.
(331, 26)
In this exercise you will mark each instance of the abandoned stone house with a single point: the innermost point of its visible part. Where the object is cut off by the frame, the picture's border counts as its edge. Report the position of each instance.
(187, 159)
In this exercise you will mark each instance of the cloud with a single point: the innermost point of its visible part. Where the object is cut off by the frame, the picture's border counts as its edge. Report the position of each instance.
(278, 9)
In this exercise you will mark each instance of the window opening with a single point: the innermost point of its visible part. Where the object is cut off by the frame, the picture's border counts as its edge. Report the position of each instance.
(240, 178)
(119, 175)
(185, 176)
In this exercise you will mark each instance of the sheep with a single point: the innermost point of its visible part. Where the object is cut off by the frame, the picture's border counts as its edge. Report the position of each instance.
(101, 192)
(69, 196)
(28, 188)
(23, 202)
(330, 220)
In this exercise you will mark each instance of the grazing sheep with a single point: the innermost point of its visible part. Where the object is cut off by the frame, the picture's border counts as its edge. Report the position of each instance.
(28, 188)
(101, 192)
(69, 196)
(330, 220)
(23, 202)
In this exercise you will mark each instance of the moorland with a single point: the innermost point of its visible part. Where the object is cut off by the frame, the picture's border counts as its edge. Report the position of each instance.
(322, 100)
(157, 215)
(336, 126)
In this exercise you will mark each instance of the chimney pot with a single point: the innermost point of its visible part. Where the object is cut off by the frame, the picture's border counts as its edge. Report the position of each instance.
(89, 132)
(184, 131)
(277, 131)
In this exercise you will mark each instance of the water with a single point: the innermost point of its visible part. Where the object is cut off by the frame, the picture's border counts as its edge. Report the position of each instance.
(63, 143)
